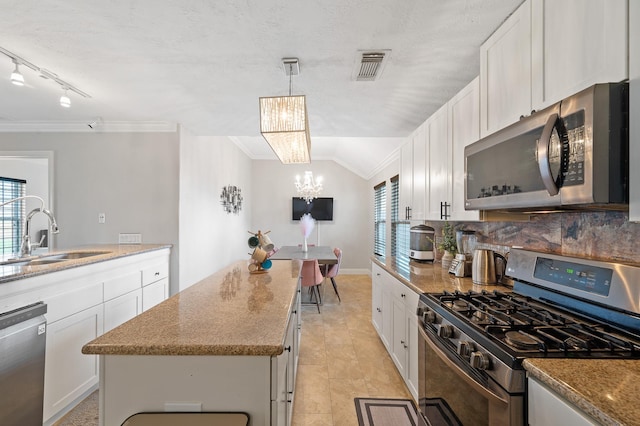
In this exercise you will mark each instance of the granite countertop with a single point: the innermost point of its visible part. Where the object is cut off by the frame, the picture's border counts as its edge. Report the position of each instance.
(231, 312)
(605, 389)
(11, 272)
(430, 277)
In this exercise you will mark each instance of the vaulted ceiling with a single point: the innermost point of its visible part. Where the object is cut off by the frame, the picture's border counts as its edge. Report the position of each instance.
(204, 64)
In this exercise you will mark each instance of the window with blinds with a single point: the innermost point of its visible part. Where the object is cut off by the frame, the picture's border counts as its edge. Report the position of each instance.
(380, 219)
(11, 215)
(399, 228)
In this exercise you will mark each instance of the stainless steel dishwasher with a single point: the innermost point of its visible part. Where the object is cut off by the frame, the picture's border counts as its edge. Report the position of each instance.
(23, 334)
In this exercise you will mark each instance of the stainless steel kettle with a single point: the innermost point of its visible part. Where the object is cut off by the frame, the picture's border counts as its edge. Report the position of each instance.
(483, 269)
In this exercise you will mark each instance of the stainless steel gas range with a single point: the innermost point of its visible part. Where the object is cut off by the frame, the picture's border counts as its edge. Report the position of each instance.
(472, 344)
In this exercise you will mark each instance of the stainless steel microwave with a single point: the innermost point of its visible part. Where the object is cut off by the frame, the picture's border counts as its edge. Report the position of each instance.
(573, 154)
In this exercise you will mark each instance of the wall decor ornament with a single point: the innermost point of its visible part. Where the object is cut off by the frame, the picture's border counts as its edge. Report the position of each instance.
(231, 199)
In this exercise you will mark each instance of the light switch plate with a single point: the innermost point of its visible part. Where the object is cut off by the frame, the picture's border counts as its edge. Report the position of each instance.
(129, 238)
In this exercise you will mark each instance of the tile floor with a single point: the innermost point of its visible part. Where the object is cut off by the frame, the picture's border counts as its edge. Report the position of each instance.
(341, 358)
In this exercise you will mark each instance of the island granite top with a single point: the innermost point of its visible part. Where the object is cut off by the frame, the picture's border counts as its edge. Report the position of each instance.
(231, 312)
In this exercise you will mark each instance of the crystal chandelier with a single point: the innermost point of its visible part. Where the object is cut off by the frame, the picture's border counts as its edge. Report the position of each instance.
(309, 188)
(284, 122)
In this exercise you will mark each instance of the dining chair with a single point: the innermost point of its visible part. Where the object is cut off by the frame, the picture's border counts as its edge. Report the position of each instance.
(332, 271)
(311, 276)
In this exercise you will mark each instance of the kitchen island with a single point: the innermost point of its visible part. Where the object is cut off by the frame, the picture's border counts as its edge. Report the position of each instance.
(227, 343)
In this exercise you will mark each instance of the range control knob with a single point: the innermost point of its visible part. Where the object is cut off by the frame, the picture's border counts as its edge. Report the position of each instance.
(479, 360)
(420, 311)
(445, 331)
(429, 317)
(465, 348)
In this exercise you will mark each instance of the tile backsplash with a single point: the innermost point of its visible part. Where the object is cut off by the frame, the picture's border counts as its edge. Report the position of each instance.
(599, 235)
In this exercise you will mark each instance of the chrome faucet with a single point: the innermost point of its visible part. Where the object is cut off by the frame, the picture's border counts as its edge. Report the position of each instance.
(27, 246)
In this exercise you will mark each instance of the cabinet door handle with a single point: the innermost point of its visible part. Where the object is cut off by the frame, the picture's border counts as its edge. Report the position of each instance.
(403, 295)
(288, 349)
(444, 210)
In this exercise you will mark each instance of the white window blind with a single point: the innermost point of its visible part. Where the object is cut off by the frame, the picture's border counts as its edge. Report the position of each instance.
(380, 218)
(11, 215)
(399, 228)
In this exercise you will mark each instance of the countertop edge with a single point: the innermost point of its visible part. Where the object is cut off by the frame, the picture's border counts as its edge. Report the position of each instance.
(572, 395)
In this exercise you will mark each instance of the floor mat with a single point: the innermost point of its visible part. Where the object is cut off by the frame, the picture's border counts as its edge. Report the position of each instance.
(386, 412)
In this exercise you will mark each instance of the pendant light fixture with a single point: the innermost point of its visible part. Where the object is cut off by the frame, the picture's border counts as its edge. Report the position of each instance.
(308, 188)
(16, 77)
(284, 122)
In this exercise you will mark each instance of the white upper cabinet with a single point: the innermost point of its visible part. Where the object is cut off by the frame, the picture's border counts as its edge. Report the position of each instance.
(575, 44)
(548, 50)
(406, 179)
(439, 161)
(464, 129)
(413, 176)
(505, 72)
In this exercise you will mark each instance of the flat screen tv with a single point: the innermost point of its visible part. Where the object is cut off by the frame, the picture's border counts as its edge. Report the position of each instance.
(319, 208)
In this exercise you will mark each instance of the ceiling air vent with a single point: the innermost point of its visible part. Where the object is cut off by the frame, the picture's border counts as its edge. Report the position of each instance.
(370, 64)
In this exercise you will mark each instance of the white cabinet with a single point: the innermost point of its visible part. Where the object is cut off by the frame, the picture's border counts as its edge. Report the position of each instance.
(575, 44)
(439, 161)
(413, 176)
(283, 370)
(376, 298)
(122, 299)
(464, 129)
(121, 309)
(505, 72)
(69, 373)
(547, 50)
(398, 323)
(155, 284)
(547, 408)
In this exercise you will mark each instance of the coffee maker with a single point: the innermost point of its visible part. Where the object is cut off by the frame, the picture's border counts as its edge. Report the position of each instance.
(461, 265)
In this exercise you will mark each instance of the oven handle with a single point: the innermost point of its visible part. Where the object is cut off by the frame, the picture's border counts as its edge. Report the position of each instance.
(477, 386)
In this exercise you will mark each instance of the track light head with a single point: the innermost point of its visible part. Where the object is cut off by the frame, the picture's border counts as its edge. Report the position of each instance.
(16, 77)
(64, 100)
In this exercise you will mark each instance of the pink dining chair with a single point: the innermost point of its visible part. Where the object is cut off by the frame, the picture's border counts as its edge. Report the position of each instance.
(332, 271)
(311, 276)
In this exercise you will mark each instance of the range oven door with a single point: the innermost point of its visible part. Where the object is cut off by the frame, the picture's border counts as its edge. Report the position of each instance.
(451, 392)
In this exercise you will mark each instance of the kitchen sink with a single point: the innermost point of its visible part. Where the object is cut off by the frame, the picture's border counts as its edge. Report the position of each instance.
(53, 258)
(75, 255)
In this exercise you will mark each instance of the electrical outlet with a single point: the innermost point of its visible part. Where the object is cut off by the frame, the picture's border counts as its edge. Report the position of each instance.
(130, 239)
(102, 218)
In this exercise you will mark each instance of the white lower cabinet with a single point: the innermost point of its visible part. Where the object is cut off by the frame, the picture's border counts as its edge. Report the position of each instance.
(82, 304)
(121, 309)
(284, 369)
(547, 408)
(69, 373)
(399, 330)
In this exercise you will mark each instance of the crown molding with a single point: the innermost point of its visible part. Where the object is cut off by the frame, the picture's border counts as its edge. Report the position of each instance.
(84, 126)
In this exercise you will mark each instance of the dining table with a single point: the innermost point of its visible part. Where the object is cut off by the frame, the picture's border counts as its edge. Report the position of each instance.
(324, 254)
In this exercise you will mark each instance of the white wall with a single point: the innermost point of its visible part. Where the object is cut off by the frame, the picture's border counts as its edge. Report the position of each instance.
(392, 169)
(351, 230)
(131, 177)
(210, 238)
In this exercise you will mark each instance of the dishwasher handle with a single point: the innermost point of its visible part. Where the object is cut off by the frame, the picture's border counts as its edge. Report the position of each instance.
(25, 313)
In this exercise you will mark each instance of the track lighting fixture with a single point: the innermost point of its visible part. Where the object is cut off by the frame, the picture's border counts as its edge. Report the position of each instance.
(64, 99)
(16, 77)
